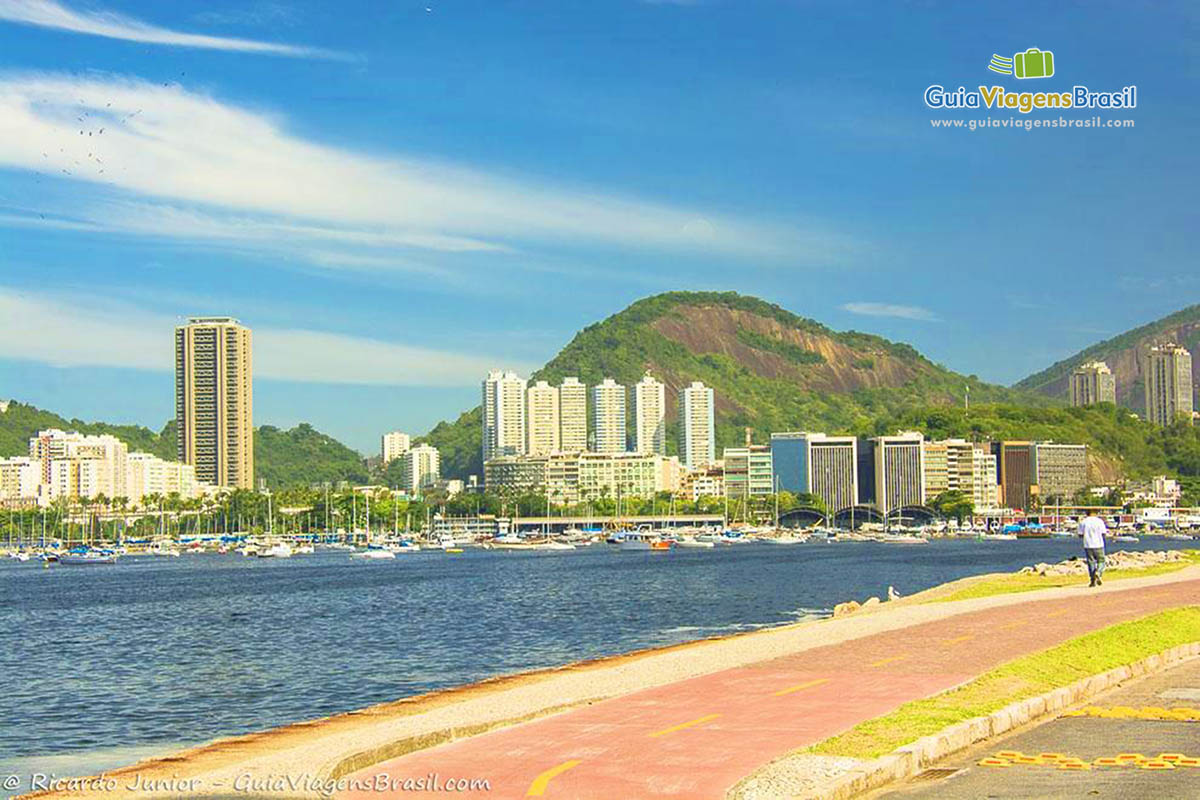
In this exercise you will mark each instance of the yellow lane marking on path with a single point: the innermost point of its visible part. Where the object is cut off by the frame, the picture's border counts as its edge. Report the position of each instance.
(538, 787)
(1056, 613)
(959, 640)
(800, 686)
(1178, 714)
(685, 725)
(886, 661)
(1018, 624)
(1011, 758)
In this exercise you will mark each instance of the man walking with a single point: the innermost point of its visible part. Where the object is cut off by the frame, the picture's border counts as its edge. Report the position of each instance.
(1093, 529)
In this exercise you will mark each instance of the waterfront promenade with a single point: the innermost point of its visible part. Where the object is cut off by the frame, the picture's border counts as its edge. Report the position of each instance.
(687, 721)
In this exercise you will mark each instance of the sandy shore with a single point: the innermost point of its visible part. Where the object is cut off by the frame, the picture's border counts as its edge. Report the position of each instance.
(324, 749)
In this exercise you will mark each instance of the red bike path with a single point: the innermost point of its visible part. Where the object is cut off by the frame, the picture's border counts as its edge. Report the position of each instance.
(698, 737)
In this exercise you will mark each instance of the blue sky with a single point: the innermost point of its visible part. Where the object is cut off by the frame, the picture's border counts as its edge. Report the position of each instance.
(396, 196)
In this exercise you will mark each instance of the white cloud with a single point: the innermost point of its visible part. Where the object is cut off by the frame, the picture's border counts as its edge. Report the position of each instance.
(216, 165)
(68, 331)
(891, 310)
(49, 14)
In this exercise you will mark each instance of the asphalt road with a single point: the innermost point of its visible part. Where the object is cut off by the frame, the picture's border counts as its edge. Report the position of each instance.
(1141, 729)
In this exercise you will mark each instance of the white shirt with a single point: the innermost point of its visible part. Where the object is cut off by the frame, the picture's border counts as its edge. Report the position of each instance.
(1092, 529)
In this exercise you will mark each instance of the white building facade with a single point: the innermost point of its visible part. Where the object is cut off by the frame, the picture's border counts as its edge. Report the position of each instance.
(542, 425)
(697, 430)
(393, 445)
(608, 417)
(503, 415)
(572, 415)
(650, 416)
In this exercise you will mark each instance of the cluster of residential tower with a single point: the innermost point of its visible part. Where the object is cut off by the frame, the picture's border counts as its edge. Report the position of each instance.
(579, 444)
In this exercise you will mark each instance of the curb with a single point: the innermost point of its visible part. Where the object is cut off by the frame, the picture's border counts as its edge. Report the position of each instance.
(906, 761)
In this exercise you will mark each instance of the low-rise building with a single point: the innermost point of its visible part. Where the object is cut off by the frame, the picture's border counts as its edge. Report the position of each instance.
(148, 474)
(748, 472)
(20, 480)
(706, 481)
(960, 466)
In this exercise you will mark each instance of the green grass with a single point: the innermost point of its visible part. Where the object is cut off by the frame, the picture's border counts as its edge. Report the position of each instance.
(1025, 677)
(1012, 584)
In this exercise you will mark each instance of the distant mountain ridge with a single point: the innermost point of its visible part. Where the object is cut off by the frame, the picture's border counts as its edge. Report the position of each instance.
(770, 370)
(1124, 354)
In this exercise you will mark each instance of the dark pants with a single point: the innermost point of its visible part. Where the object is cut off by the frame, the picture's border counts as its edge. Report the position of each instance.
(1095, 563)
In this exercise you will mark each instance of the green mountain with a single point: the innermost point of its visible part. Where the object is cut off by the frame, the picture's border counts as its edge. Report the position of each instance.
(770, 370)
(21, 421)
(1124, 356)
(299, 456)
(303, 455)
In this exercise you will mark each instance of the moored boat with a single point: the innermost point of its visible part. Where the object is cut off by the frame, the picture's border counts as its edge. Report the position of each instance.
(86, 559)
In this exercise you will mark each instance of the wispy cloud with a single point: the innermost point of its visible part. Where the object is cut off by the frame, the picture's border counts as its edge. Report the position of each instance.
(49, 14)
(214, 169)
(67, 331)
(891, 310)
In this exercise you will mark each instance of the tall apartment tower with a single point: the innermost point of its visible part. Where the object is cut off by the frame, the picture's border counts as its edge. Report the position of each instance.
(572, 416)
(542, 427)
(420, 468)
(1092, 383)
(503, 414)
(608, 416)
(899, 471)
(393, 445)
(1168, 384)
(650, 416)
(214, 409)
(697, 431)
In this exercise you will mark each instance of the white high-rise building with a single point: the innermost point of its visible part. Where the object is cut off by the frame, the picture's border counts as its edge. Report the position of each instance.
(572, 416)
(393, 445)
(422, 468)
(1168, 384)
(697, 431)
(608, 417)
(650, 416)
(542, 434)
(503, 415)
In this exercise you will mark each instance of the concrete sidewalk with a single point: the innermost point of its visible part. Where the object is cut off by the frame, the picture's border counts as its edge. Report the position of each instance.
(696, 738)
(682, 721)
(1131, 720)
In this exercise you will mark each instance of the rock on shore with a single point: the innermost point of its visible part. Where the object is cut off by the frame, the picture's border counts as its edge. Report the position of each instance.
(1121, 559)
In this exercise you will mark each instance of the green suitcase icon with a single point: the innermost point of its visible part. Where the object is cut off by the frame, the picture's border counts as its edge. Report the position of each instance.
(1034, 63)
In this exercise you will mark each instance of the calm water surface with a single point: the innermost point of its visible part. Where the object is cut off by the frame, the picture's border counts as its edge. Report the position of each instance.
(160, 652)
